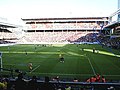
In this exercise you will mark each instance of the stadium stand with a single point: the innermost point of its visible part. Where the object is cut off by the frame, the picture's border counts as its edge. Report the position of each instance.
(22, 83)
(61, 30)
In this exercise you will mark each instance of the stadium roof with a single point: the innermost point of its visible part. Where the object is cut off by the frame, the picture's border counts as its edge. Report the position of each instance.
(112, 25)
(7, 25)
(74, 18)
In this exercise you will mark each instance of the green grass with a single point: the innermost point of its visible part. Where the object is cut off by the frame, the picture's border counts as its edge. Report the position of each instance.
(78, 64)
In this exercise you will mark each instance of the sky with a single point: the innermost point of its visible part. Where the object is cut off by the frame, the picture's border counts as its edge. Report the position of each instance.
(17, 9)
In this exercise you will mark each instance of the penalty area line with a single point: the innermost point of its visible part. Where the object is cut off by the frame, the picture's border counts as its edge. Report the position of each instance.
(90, 64)
(35, 68)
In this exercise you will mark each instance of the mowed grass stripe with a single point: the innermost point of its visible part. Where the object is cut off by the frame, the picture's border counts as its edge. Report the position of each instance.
(91, 65)
(75, 61)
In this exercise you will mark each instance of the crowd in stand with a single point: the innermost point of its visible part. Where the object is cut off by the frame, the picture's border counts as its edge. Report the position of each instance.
(64, 36)
(51, 26)
(20, 83)
(52, 36)
(112, 42)
(90, 37)
(7, 35)
(4, 83)
(97, 78)
(5, 42)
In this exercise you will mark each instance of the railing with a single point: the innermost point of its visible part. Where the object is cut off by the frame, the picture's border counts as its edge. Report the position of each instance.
(80, 85)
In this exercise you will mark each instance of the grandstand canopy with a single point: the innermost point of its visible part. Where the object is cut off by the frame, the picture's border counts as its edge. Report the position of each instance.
(71, 19)
(73, 23)
(113, 25)
(7, 25)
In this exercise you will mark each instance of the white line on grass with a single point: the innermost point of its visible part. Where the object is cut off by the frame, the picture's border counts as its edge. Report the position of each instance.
(66, 74)
(35, 68)
(112, 75)
(91, 64)
(72, 74)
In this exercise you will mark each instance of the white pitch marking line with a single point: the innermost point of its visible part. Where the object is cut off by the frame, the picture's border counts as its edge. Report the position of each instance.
(35, 68)
(91, 65)
(77, 74)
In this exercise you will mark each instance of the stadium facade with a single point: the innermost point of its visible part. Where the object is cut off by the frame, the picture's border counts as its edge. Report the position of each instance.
(58, 30)
(114, 22)
(54, 24)
(41, 30)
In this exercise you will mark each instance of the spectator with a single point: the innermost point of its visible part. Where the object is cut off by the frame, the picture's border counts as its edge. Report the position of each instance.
(97, 78)
(2, 86)
(20, 84)
(47, 85)
(88, 80)
(32, 84)
(5, 83)
(93, 79)
(103, 79)
(75, 80)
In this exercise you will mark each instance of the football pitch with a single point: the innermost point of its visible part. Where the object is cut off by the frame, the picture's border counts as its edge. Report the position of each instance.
(79, 60)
